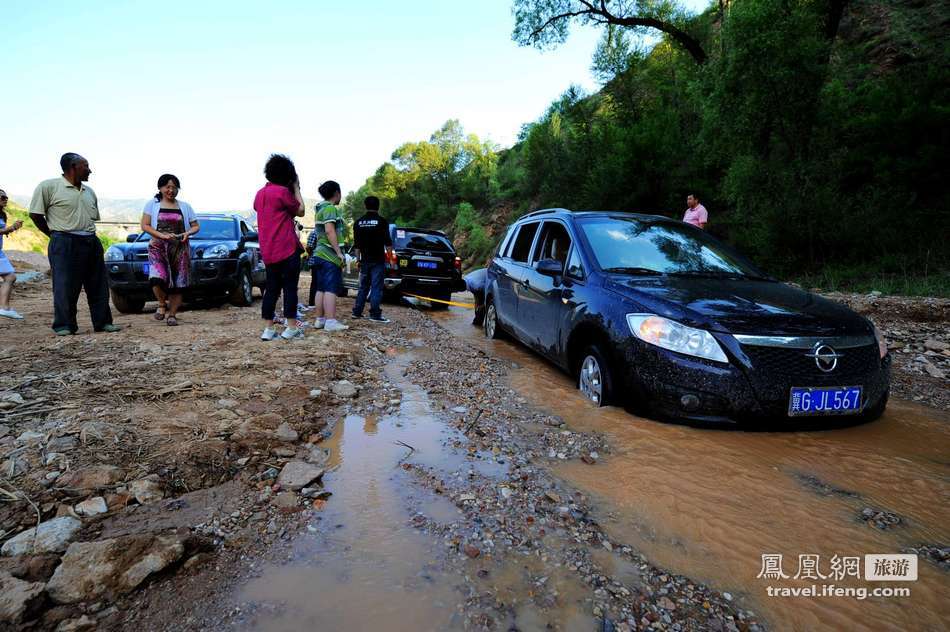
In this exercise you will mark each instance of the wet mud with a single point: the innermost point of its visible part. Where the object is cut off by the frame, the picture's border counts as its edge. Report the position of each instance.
(708, 503)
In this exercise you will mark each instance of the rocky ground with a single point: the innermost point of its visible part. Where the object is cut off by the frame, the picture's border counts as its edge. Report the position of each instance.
(162, 465)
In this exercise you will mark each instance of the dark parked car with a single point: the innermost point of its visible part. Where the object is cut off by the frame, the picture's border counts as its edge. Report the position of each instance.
(661, 312)
(422, 262)
(225, 260)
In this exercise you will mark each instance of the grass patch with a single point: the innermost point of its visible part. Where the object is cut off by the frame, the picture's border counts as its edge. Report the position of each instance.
(865, 278)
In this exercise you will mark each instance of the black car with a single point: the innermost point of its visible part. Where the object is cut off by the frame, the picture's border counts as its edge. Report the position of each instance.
(422, 262)
(658, 311)
(225, 260)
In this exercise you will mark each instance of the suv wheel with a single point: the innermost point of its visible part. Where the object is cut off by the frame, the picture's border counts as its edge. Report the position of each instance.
(491, 324)
(243, 294)
(125, 304)
(595, 379)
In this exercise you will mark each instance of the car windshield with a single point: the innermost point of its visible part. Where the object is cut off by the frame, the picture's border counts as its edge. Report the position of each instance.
(421, 241)
(209, 229)
(629, 245)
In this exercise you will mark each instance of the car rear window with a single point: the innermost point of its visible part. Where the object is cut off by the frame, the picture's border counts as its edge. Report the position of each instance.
(218, 228)
(406, 239)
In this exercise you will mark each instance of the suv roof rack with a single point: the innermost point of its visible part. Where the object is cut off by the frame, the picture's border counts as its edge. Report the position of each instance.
(427, 231)
(546, 211)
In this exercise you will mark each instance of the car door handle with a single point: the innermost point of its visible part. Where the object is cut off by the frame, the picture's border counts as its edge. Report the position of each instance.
(526, 283)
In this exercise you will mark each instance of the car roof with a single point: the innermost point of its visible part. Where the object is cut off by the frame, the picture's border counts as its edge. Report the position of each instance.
(222, 215)
(427, 231)
(563, 212)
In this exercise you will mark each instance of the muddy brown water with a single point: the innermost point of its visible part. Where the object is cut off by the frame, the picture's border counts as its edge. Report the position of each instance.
(708, 503)
(363, 566)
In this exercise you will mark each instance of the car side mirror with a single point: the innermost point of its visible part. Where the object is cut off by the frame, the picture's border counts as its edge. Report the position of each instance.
(131, 237)
(250, 236)
(550, 268)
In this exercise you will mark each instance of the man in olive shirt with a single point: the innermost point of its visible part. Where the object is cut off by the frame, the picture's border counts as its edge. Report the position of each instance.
(66, 210)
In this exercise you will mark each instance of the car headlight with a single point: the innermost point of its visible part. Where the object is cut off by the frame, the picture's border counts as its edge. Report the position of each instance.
(114, 254)
(218, 251)
(671, 335)
(881, 342)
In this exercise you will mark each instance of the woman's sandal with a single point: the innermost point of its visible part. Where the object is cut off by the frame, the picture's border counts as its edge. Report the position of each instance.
(160, 312)
(172, 321)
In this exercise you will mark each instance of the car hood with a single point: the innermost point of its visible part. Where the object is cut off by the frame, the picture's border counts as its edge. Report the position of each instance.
(740, 306)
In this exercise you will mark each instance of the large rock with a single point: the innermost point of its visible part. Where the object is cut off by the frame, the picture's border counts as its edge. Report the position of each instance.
(111, 567)
(18, 598)
(285, 432)
(92, 507)
(52, 536)
(91, 478)
(344, 389)
(147, 490)
(298, 474)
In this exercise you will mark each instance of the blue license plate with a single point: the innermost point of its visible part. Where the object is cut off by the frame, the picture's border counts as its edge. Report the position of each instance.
(826, 400)
(429, 265)
(145, 269)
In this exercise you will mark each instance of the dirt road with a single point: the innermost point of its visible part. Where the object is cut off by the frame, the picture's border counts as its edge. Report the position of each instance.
(417, 476)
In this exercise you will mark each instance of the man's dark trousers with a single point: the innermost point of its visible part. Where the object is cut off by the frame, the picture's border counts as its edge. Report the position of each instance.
(371, 283)
(76, 264)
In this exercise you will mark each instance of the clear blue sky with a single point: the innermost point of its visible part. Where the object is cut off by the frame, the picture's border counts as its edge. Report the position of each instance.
(206, 89)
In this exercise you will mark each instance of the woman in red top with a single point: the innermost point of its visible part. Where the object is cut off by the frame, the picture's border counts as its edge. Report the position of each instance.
(278, 205)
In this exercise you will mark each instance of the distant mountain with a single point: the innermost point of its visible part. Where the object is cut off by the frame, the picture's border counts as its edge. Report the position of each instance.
(124, 209)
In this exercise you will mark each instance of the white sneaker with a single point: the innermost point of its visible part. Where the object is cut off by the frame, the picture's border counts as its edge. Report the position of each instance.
(319, 323)
(11, 313)
(268, 334)
(291, 332)
(335, 325)
(303, 308)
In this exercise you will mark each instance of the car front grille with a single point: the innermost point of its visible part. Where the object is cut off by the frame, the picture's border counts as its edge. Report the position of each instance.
(854, 362)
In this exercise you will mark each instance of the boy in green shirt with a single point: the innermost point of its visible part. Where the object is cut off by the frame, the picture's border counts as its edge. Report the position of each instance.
(326, 259)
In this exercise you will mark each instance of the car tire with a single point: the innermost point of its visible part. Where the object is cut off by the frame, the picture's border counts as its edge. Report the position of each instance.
(595, 377)
(492, 324)
(877, 410)
(125, 304)
(242, 294)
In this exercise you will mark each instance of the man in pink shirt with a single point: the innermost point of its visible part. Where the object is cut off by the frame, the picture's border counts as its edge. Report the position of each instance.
(278, 206)
(696, 213)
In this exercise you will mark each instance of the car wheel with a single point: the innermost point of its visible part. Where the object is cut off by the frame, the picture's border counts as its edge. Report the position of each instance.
(492, 324)
(125, 304)
(243, 294)
(595, 378)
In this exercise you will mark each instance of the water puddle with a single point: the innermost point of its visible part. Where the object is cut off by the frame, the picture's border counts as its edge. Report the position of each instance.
(365, 566)
(709, 503)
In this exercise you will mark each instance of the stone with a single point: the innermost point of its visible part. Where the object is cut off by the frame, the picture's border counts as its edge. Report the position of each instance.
(100, 430)
(18, 598)
(92, 507)
(286, 433)
(666, 603)
(318, 456)
(90, 570)
(460, 410)
(85, 622)
(298, 474)
(62, 444)
(31, 437)
(315, 393)
(4, 430)
(285, 500)
(12, 398)
(344, 389)
(227, 403)
(933, 371)
(92, 478)
(471, 551)
(52, 536)
(147, 490)
(932, 344)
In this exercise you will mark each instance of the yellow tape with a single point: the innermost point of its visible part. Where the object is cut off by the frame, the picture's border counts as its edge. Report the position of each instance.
(435, 300)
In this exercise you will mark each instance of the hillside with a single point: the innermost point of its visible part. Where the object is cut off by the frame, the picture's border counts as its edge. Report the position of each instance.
(28, 238)
(817, 150)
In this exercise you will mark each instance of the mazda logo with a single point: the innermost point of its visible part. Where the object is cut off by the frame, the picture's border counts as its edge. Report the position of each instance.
(826, 358)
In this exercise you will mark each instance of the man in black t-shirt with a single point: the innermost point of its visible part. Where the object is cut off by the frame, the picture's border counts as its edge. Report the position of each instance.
(371, 238)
